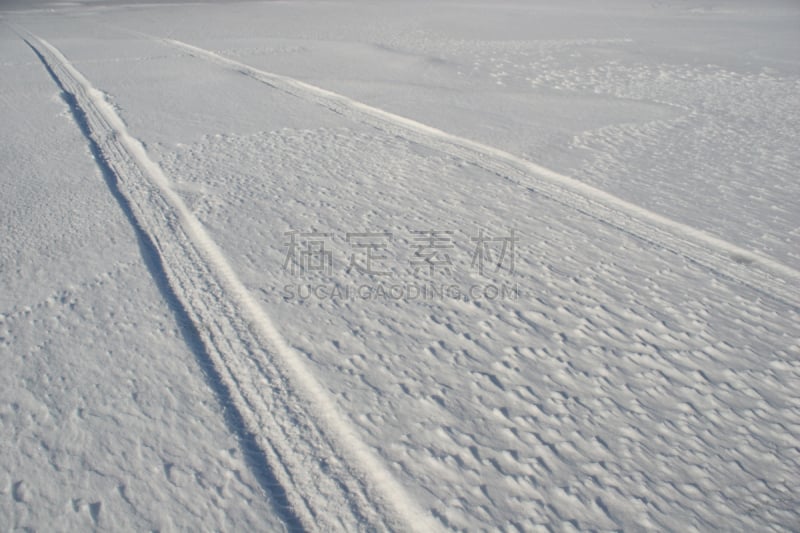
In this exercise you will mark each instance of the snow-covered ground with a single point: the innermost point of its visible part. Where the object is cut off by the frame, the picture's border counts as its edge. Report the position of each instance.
(342, 265)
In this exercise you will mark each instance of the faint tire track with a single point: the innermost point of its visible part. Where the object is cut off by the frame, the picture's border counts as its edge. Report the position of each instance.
(761, 273)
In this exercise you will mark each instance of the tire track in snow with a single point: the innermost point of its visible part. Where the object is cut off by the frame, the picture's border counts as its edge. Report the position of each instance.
(329, 479)
(762, 273)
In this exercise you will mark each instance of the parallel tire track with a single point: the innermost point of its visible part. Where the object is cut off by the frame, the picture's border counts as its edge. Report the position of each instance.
(763, 274)
(330, 479)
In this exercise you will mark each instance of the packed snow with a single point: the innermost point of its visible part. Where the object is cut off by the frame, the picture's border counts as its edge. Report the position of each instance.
(409, 266)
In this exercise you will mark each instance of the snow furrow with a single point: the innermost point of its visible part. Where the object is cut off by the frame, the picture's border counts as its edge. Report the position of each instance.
(331, 479)
(764, 274)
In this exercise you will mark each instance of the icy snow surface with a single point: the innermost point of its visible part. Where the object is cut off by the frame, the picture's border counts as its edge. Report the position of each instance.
(220, 308)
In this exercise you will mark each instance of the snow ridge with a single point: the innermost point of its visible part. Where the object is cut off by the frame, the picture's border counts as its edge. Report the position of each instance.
(330, 478)
(758, 271)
